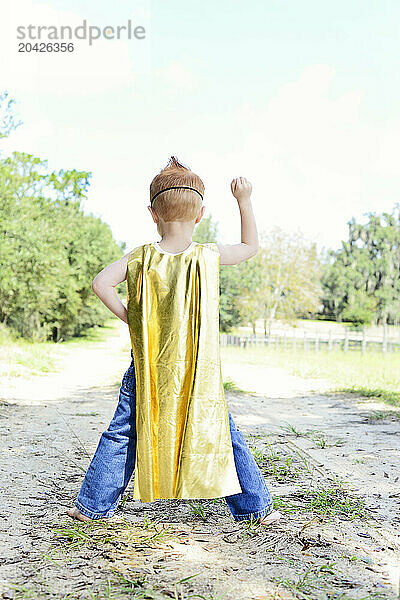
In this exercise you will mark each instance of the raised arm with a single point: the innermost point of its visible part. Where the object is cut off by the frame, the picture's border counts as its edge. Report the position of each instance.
(236, 253)
(104, 284)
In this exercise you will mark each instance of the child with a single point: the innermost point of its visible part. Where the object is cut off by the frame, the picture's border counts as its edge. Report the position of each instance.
(172, 425)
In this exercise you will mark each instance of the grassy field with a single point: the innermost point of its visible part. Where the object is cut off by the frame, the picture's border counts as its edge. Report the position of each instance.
(22, 358)
(372, 374)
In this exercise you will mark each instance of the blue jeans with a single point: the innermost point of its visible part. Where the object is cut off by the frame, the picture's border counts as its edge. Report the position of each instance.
(114, 462)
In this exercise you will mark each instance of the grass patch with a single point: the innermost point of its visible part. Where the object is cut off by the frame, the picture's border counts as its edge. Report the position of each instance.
(113, 535)
(25, 358)
(290, 429)
(326, 501)
(389, 396)
(230, 386)
(96, 334)
(321, 582)
(321, 441)
(374, 374)
(319, 438)
(308, 581)
(335, 501)
(282, 468)
(382, 415)
(197, 509)
(124, 587)
(116, 587)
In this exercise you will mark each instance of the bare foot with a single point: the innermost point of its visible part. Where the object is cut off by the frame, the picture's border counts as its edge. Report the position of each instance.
(270, 518)
(76, 514)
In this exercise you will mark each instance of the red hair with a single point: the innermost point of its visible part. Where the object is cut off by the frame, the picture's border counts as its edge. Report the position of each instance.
(176, 205)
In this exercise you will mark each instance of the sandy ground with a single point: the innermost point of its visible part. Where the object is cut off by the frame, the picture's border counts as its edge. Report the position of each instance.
(50, 428)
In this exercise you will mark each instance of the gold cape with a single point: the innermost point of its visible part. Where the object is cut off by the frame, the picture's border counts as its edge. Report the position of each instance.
(184, 447)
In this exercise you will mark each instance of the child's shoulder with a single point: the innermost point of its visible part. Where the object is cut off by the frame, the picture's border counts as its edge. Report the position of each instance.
(137, 253)
(211, 245)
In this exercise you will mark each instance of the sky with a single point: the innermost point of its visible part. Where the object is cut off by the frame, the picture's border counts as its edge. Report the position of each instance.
(302, 98)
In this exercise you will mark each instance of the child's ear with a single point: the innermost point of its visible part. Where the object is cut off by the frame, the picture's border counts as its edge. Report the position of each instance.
(200, 215)
(153, 214)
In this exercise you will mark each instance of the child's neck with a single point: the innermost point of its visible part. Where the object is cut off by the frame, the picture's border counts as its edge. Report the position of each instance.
(176, 233)
(173, 244)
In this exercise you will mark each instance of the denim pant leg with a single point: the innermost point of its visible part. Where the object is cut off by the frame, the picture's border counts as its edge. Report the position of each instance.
(114, 460)
(255, 501)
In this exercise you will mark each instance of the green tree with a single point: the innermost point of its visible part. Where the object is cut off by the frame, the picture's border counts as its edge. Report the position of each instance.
(249, 283)
(360, 309)
(49, 250)
(361, 280)
(291, 273)
(8, 120)
(206, 231)
(229, 311)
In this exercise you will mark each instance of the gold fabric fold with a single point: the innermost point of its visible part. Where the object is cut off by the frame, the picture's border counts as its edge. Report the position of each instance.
(184, 447)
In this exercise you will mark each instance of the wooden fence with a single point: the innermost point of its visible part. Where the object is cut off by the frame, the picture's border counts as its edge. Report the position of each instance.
(348, 342)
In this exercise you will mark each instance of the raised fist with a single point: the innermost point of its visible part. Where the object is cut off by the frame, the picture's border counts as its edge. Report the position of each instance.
(241, 188)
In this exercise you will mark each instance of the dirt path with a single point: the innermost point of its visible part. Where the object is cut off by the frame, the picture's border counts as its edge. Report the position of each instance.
(337, 464)
(350, 435)
(92, 365)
